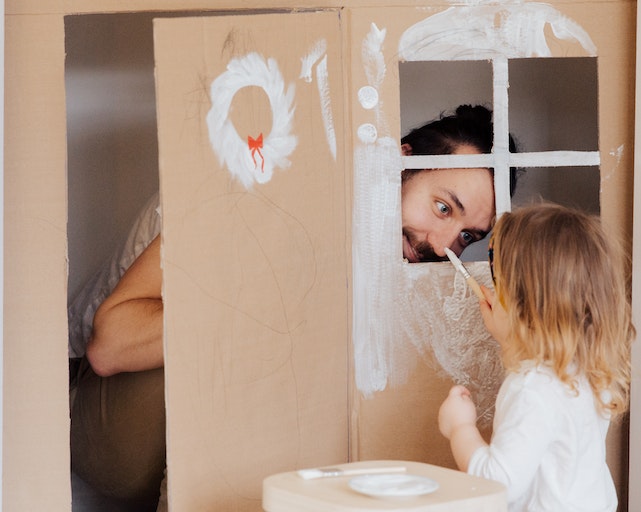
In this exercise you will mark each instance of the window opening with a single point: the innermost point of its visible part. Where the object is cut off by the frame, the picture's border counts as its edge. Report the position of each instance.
(548, 105)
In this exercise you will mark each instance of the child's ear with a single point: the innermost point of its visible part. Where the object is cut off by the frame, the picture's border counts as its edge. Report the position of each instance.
(406, 149)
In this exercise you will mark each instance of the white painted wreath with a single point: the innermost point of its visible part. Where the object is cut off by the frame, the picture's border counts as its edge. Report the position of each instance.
(252, 159)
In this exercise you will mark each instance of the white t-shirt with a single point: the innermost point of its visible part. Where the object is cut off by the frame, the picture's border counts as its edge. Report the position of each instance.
(82, 309)
(548, 446)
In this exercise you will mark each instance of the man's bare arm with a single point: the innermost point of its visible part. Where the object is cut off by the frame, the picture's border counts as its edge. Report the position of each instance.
(128, 325)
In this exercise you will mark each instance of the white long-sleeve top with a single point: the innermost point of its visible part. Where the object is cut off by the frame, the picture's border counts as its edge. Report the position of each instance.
(548, 445)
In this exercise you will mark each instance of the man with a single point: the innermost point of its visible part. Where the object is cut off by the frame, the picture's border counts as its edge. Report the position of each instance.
(448, 207)
(117, 381)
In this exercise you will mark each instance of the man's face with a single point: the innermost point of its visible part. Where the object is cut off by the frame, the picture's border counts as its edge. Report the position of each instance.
(445, 208)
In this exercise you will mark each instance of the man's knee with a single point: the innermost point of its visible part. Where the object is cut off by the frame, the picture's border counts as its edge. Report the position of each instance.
(118, 433)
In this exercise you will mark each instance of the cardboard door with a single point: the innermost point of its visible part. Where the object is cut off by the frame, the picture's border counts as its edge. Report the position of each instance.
(254, 251)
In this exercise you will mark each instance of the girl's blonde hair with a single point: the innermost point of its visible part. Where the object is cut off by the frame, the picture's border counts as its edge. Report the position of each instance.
(565, 287)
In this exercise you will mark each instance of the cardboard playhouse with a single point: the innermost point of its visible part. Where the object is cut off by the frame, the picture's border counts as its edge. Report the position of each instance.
(295, 333)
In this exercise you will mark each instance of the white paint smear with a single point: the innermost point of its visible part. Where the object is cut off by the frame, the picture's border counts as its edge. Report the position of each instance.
(618, 154)
(322, 80)
(318, 54)
(402, 310)
(487, 31)
(375, 69)
(367, 133)
(373, 59)
(249, 165)
(399, 308)
(368, 97)
(307, 62)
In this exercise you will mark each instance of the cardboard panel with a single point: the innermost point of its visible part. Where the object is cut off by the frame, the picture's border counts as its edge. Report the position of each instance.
(36, 403)
(255, 259)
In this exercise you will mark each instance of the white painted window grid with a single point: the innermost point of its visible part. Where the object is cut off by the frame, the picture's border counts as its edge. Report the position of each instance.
(501, 159)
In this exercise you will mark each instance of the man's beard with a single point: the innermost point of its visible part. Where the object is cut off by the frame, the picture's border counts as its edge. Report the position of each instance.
(423, 249)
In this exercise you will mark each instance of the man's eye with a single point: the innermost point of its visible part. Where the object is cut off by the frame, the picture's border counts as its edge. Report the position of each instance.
(442, 208)
(467, 237)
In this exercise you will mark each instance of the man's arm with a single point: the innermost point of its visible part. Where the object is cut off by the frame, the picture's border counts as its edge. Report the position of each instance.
(128, 325)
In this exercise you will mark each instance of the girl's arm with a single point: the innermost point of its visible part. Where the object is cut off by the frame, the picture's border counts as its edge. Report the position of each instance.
(526, 422)
(494, 316)
(457, 422)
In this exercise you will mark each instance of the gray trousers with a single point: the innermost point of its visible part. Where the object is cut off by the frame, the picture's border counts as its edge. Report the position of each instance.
(118, 434)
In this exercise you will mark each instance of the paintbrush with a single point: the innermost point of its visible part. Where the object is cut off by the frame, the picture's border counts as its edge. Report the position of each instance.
(458, 265)
(309, 474)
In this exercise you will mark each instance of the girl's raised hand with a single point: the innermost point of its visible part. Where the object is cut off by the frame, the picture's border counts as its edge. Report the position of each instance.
(457, 422)
(494, 315)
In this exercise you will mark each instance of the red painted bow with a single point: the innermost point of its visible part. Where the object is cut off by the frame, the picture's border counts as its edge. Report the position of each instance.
(254, 147)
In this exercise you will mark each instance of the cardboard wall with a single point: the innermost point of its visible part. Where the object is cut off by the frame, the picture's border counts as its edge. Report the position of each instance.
(314, 402)
(427, 287)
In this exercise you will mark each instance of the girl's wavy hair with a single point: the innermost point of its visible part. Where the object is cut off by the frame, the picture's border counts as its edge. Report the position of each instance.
(565, 285)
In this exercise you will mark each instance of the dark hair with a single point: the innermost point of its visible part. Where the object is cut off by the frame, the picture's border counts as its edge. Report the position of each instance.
(469, 125)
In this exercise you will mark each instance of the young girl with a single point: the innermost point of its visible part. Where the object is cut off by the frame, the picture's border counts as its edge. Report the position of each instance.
(561, 315)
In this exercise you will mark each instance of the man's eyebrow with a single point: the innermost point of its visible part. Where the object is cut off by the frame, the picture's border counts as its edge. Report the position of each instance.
(455, 199)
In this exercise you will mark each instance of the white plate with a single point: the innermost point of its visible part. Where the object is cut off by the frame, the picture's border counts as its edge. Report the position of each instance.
(393, 485)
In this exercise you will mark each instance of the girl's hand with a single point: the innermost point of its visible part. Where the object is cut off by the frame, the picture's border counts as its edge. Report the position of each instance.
(457, 422)
(457, 410)
(494, 315)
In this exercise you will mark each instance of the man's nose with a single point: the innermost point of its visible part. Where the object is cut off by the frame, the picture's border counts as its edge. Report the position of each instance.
(447, 238)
